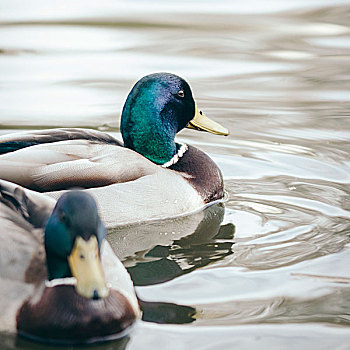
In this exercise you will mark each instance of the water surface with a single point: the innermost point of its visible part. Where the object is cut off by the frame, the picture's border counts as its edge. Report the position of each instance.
(272, 269)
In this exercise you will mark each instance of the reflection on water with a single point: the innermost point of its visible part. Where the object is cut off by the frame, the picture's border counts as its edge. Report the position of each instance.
(165, 313)
(188, 243)
(272, 270)
(12, 342)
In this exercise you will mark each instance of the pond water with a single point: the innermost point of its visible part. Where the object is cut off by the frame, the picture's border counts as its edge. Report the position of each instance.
(272, 269)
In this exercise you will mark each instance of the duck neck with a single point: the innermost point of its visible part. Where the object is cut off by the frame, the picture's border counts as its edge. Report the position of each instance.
(182, 148)
(57, 267)
(155, 146)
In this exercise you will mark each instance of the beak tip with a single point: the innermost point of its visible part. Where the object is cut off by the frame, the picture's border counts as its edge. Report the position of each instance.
(223, 132)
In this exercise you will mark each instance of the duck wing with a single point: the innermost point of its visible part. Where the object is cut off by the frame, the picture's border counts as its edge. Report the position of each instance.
(15, 141)
(23, 214)
(73, 163)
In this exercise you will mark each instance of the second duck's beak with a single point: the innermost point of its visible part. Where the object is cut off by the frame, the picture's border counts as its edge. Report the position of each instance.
(86, 267)
(203, 123)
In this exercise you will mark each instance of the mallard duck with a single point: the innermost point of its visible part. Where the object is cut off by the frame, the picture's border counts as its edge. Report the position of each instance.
(53, 286)
(151, 175)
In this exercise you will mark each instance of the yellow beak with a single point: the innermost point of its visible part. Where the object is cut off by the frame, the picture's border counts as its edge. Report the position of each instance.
(86, 267)
(203, 123)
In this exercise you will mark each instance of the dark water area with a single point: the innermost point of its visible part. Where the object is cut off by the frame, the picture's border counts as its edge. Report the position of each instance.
(270, 269)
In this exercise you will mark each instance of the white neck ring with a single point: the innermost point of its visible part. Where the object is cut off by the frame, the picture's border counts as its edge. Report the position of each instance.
(177, 156)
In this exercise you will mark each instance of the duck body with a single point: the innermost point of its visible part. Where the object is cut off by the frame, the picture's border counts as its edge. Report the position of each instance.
(52, 302)
(139, 192)
(152, 176)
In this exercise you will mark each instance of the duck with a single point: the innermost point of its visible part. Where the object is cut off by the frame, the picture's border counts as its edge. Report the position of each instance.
(60, 281)
(152, 175)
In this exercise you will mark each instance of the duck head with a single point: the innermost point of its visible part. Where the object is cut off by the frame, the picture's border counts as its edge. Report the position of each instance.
(159, 106)
(73, 238)
(76, 305)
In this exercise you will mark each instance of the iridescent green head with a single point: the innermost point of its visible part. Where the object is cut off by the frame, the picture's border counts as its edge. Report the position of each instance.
(73, 238)
(158, 106)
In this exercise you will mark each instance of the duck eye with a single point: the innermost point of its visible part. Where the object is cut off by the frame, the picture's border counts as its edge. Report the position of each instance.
(181, 93)
(82, 257)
